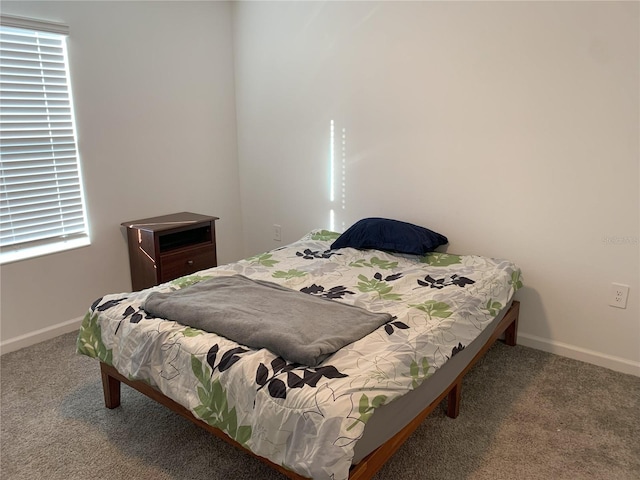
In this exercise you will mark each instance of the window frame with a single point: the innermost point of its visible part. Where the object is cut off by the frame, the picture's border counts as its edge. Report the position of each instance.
(58, 241)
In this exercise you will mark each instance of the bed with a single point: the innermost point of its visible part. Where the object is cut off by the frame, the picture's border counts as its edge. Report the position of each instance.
(344, 417)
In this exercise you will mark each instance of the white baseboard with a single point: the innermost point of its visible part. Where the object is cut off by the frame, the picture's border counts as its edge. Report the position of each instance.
(38, 336)
(589, 356)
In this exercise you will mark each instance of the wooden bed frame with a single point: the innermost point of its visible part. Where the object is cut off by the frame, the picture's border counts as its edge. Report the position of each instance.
(368, 466)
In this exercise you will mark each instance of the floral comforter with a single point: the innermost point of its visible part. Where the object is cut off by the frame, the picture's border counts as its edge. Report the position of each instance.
(308, 419)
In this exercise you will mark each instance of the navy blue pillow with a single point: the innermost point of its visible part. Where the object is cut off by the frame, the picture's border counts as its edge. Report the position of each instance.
(390, 235)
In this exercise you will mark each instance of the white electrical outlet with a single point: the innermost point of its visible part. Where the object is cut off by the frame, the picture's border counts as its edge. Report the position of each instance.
(277, 232)
(618, 295)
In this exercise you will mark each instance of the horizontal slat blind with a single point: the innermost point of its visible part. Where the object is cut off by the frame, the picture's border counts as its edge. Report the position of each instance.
(41, 198)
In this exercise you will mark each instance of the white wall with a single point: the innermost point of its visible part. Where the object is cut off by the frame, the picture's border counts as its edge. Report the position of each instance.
(511, 127)
(154, 99)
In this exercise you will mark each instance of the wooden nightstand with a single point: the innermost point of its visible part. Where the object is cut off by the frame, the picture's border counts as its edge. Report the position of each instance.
(167, 247)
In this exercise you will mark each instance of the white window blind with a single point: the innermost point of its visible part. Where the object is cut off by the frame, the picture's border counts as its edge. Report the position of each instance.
(41, 197)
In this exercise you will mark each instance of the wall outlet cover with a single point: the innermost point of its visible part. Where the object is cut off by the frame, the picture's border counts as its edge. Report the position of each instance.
(618, 295)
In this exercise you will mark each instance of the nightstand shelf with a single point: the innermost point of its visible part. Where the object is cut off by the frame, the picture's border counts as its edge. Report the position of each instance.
(171, 246)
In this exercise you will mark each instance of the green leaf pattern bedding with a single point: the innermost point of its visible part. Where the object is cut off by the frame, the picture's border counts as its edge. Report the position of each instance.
(307, 419)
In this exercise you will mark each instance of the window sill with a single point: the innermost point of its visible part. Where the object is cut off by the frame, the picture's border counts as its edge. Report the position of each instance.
(41, 250)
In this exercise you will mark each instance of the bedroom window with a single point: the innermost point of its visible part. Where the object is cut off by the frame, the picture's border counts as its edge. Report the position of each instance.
(42, 207)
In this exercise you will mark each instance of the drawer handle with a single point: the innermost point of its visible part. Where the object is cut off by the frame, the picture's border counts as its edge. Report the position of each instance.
(189, 262)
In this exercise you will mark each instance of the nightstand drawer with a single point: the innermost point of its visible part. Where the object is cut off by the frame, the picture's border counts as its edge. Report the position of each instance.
(186, 261)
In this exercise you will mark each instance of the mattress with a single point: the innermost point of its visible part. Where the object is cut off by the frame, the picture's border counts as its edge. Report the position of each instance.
(310, 419)
(390, 418)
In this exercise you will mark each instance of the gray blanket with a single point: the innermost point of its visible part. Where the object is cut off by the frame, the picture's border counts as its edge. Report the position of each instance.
(297, 326)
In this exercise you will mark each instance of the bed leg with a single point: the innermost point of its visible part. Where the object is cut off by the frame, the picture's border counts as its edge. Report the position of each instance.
(511, 333)
(453, 400)
(110, 388)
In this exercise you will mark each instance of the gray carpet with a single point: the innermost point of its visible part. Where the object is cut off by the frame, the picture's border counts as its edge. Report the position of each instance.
(525, 414)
